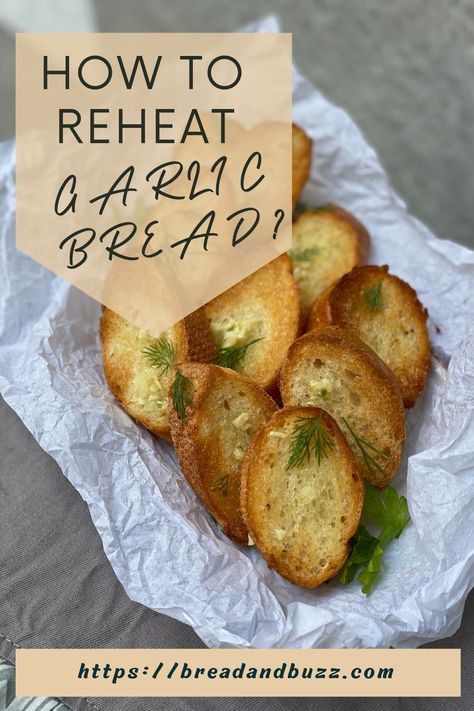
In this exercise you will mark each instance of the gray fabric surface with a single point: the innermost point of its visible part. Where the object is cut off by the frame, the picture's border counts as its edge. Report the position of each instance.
(57, 588)
(404, 71)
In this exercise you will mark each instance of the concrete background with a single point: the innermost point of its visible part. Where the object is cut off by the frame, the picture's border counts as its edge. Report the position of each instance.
(404, 70)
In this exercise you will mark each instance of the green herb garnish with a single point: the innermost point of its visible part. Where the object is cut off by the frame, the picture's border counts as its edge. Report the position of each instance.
(231, 356)
(388, 512)
(309, 434)
(373, 297)
(303, 255)
(180, 393)
(162, 355)
(368, 450)
(221, 484)
(362, 551)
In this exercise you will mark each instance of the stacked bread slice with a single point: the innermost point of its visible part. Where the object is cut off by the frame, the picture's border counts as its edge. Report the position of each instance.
(222, 411)
(276, 429)
(334, 370)
(255, 322)
(301, 512)
(386, 314)
(327, 243)
(138, 367)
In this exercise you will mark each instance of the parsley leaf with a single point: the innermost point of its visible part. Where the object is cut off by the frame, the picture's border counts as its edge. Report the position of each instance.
(362, 550)
(370, 572)
(387, 511)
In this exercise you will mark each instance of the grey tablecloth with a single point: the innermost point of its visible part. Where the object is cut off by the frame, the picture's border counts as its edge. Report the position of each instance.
(404, 71)
(57, 588)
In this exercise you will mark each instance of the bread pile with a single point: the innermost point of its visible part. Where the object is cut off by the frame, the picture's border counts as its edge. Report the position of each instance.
(282, 395)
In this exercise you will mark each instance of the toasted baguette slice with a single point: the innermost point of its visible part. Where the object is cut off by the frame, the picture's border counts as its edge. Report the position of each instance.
(135, 378)
(327, 243)
(386, 314)
(301, 517)
(263, 306)
(301, 161)
(335, 370)
(211, 435)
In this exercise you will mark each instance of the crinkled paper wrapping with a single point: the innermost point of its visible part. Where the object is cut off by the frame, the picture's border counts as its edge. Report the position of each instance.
(160, 541)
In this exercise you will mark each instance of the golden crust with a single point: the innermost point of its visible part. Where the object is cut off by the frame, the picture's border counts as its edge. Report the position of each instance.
(345, 217)
(262, 477)
(333, 369)
(194, 339)
(125, 365)
(301, 161)
(208, 441)
(397, 331)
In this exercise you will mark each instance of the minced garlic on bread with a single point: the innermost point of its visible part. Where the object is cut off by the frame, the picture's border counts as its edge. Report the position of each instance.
(256, 320)
(327, 243)
(386, 314)
(137, 367)
(333, 369)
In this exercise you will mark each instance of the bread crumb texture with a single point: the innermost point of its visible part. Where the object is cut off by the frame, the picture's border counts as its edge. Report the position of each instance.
(333, 369)
(226, 410)
(301, 518)
(387, 315)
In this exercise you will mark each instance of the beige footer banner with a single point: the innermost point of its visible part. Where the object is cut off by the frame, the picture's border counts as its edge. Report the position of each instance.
(238, 672)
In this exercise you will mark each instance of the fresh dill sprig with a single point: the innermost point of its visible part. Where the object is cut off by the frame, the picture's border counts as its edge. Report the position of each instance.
(303, 255)
(162, 355)
(309, 434)
(366, 449)
(221, 484)
(373, 297)
(181, 395)
(231, 356)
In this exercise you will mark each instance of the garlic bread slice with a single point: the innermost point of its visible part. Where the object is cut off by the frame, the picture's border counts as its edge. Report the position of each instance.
(255, 321)
(302, 495)
(387, 315)
(333, 369)
(302, 146)
(138, 367)
(214, 413)
(327, 243)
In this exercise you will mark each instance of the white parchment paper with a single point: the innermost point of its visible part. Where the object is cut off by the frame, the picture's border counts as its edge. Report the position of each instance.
(156, 534)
